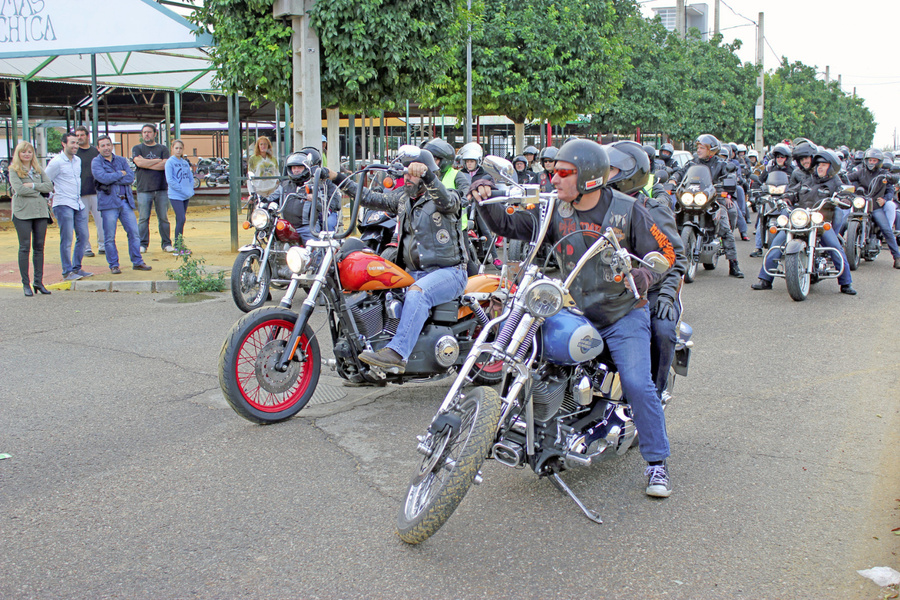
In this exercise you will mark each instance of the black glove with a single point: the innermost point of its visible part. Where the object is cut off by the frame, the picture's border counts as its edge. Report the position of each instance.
(642, 279)
(665, 308)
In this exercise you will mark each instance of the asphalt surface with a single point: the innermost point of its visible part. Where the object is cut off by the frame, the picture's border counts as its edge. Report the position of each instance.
(130, 477)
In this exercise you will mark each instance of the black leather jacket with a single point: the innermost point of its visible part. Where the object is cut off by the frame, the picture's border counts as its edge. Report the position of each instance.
(862, 178)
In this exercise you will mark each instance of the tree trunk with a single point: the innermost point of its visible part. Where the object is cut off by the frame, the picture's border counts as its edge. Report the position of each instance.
(520, 138)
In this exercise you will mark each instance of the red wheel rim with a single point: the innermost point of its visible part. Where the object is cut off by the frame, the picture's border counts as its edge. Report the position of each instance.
(245, 368)
(492, 367)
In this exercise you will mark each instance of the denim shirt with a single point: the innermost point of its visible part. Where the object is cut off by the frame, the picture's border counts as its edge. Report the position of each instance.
(113, 188)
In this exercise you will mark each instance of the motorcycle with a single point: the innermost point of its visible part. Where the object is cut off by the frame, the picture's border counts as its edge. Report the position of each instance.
(700, 218)
(270, 363)
(803, 260)
(771, 203)
(861, 239)
(214, 171)
(562, 404)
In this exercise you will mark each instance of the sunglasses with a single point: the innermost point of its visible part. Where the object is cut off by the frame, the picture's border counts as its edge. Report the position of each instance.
(566, 172)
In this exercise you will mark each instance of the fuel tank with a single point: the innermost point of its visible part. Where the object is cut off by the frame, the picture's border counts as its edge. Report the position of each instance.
(366, 271)
(568, 338)
(481, 287)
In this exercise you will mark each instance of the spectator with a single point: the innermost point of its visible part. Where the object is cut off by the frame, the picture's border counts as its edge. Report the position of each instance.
(180, 180)
(87, 153)
(113, 178)
(262, 163)
(71, 214)
(30, 212)
(150, 160)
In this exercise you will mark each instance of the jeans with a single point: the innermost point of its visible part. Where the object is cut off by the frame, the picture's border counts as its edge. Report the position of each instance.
(827, 239)
(71, 220)
(437, 287)
(160, 202)
(306, 233)
(740, 199)
(90, 202)
(664, 337)
(126, 215)
(879, 215)
(628, 340)
(840, 219)
(180, 208)
(31, 232)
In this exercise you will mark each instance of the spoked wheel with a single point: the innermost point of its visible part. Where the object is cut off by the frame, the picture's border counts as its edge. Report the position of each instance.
(252, 385)
(795, 275)
(454, 449)
(689, 240)
(851, 245)
(248, 288)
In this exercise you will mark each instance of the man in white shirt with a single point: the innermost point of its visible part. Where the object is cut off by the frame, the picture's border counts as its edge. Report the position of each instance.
(71, 214)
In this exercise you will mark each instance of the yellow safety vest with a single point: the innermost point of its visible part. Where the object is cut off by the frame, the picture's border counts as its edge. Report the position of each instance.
(449, 181)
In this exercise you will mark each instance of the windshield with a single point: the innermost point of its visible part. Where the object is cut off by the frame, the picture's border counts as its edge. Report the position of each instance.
(697, 176)
(777, 178)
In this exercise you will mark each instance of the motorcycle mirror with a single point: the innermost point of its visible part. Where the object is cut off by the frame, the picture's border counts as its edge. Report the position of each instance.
(500, 169)
(661, 175)
(848, 189)
(730, 167)
(657, 262)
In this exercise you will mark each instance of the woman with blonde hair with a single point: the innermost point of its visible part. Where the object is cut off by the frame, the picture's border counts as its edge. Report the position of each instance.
(30, 212)
(262, 163)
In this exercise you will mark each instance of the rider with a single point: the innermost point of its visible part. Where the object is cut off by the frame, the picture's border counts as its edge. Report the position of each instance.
(523, 175)
(530, 154)
(472, 155)
(629, 173)
(587, 203)
(297, 208)
(707, 155)
(862, 177)
(802, 154)
(431, 249)
(781, 161)
(547, 158)
(443, 153)
(666, 151)
(823, 183)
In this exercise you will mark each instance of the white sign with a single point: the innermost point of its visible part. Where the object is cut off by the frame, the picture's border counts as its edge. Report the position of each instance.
(55, 27)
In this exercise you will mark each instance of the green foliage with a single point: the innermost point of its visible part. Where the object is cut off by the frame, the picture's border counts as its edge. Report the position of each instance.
(54, 139)
(191, 276)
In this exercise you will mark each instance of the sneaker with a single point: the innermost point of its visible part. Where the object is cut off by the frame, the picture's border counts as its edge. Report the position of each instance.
(142, 267)
(143, 249)
(756, 253)
(744, 237)
(72, 276)
(84, 273)
(498, 263)
(762, 284)
(89, 253)
(658, 484)
(101, 251)
(384, 358)
(115, 270)
(169, 248)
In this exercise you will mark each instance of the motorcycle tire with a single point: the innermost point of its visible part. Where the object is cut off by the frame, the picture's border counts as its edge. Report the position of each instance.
(851, 245)
(390, 253)
(689, 241)
(196, 182)
(448, 470)
(251, 385)
(210, 182)
(516, 250)
(795, 277)
(248, 290)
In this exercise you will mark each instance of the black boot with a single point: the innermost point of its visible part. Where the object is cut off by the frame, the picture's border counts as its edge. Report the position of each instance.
(27, 289)
(762, 284)
(734, 270)
(848, 289)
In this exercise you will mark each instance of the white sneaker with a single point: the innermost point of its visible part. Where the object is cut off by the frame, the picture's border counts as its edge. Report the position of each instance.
(169, 248)
(143, 249)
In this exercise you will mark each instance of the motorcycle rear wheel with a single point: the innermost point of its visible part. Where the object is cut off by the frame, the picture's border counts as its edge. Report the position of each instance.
(796, 277)
(851, 246)
(248, 289)
(249, 381)
(447, 472)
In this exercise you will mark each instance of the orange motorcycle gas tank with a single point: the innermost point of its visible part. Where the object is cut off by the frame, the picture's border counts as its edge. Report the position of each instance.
(478, 286)
(366, 271)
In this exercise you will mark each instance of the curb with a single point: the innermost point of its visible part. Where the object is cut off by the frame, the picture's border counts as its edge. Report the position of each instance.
(167, 285)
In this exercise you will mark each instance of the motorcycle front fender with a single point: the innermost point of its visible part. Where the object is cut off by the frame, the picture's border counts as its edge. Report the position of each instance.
(250, 248)
(795, 247)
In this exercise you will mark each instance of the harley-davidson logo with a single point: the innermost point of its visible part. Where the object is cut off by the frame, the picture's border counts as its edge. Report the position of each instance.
(588, 343)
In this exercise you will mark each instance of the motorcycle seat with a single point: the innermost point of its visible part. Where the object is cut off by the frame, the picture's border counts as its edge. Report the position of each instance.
(448, 312)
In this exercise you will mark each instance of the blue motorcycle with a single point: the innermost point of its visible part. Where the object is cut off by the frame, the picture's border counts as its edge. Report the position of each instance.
(561, 403)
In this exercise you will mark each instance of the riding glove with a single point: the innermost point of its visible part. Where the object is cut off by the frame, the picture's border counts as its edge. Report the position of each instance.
(665, 308)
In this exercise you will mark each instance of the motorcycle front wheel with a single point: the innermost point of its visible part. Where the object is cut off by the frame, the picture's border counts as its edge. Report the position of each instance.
(452, 458)
(248, 289)
(689, 240)
(795, 275)
(252, 385)
(851, 245)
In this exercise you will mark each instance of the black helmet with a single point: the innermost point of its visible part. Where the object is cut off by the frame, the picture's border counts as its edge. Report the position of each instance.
(649, 150)
(827, 156)
(530, 150)
(895, 168)
(633, 164)
(408, 154)
(548, 153)
(709, 140)
(734, 149)
(873, 153)
(666, 148)
(803, 149)
(781, 149)
(521, 158)
(305, 157)
(441, 151)
(726, 152)
(845, 151)
(590, 159)
(858, 155)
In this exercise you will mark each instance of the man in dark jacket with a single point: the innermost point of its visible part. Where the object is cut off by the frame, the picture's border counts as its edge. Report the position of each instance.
(430, 248)
(298, 208)
(862, 177)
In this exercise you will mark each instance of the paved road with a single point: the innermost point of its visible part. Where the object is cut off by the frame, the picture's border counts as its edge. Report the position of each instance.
(131, 478)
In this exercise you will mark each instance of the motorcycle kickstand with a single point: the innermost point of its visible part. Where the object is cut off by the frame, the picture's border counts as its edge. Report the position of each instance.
(557, 481)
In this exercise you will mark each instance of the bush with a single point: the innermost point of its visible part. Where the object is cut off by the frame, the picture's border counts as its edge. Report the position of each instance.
(192, 278)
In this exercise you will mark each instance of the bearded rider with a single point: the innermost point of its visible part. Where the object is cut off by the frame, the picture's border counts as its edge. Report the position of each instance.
(587, 203)
(431, 248)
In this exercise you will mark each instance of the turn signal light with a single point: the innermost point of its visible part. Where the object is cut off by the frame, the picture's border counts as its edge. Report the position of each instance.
(529, 207)
(773, 230)
(510, 210)
(280, 225)
(388, 183)
(618, 279)
(827, 226)
(246, 225)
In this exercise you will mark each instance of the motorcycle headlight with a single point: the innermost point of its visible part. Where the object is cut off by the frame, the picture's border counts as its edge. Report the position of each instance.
(687, 198)
(259, 218)
(543, 299)
(859, 203)
(799, 218)
(297, 259)
(777, 189)
(700, 199)
(817, 218)
(782, 220)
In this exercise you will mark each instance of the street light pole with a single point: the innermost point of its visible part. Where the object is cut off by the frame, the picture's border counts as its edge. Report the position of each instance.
(469, 77)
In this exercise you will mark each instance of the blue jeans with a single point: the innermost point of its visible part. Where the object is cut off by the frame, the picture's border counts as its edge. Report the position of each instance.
(126, 215)
(881, 219)
(160, 202)
(628, 340)
(840, 219)
(662, 350)
(827, 239)
(71, 220)
(437, 287)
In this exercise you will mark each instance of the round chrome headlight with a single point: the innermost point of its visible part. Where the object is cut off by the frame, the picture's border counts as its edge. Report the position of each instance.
(297, 259)
(817, 218)
(782, 220)
(259, 218)
(859, 202)
(543, 299)
(799, 218)
(687, 198)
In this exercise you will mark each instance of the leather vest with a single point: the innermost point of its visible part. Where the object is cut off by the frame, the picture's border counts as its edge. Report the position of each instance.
(430, 240)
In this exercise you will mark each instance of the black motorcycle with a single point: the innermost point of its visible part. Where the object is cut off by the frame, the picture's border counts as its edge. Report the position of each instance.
(702, 218)
(861, 240)
(772, 202)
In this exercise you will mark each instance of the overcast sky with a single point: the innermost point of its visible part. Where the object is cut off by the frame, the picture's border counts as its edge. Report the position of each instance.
(857, 39)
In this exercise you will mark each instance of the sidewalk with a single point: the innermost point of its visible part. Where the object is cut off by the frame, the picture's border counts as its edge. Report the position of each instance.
(207, 233)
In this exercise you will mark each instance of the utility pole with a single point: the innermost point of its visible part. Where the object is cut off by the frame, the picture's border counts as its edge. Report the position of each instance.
(718, 9)
(761, 101)
(680, 19)
(306, 76)
(827, 75)
(468, 132)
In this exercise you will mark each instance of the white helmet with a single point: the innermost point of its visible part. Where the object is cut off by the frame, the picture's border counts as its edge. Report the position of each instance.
(753, 153)
(741, 148)
(471, 151)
